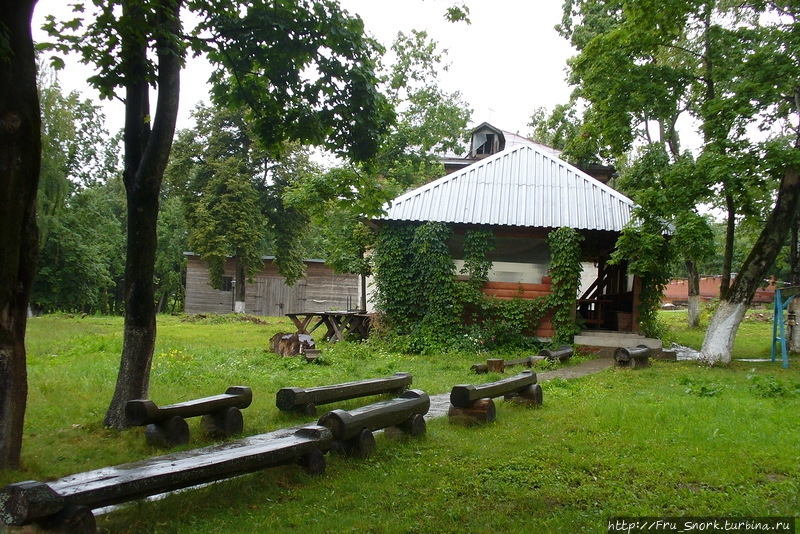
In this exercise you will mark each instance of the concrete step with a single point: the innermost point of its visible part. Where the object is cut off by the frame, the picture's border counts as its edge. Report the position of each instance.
(592, 338)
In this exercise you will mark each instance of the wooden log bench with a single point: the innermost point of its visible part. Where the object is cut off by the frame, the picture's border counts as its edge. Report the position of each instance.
(306, 400)
(562, 353)
(166, 425)
(352, 430)
(494, 365)
(632, 357)
(66, 505)
(471, 404)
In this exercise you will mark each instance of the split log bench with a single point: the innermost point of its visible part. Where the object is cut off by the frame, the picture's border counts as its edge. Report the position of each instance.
(494, 365)
(562, 353)
(352, 430)
(166, 425)
(305, 400)
(471, 404)
(632, 357)
(66, 505)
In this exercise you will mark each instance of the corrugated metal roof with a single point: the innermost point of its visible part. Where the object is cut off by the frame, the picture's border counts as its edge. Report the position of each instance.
(520, 186)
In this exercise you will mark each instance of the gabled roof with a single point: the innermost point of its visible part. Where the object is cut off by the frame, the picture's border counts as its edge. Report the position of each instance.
(523, 186)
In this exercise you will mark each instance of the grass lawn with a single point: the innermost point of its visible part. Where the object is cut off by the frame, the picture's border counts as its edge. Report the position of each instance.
(677, 439)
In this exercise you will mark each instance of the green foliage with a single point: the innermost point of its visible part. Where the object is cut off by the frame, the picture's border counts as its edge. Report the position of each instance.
(565, 270)
(418, 293)
(769, 387)
(477, 245)
(397, 292)
(701, 388)
(644, 246)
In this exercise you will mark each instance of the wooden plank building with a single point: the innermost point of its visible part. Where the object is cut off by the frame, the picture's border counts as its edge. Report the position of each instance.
(268, 294)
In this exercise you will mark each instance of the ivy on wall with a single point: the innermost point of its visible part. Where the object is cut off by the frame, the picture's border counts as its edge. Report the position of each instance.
(565, 270)
(419, 296)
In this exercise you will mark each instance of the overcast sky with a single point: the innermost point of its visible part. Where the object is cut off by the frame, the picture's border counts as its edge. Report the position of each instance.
(507, 63)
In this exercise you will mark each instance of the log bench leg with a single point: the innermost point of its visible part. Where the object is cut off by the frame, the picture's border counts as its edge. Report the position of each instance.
(72, 520)
(312, 462)
(223, 424)
(361, 446)
(414, 427)
(481, 411)
(531, 395)
(171, 433)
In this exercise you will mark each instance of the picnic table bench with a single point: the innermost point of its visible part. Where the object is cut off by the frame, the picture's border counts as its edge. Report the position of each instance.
(166, 425)
(338, 324)
(66, 504)
(306, 400)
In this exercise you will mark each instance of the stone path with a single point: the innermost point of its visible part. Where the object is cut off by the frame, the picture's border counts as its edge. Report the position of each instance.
(440, 403)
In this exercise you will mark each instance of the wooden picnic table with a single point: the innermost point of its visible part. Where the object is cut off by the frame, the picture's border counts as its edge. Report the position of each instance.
(338, 324)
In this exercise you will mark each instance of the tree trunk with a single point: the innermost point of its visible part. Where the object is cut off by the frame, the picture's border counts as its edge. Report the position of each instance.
(793, 334)
(694, 293)
(718, 343)
(727, 259)
(20, 158)
(146, 155)
(239, 289)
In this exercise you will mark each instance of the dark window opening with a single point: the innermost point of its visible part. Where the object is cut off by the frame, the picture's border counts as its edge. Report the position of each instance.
(488, 146)
(227, 283)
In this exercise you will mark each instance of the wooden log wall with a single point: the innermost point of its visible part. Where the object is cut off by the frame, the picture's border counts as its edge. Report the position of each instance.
(268, 295)
(511, 290)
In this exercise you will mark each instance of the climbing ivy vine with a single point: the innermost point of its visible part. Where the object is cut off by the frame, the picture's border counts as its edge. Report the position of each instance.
(419, 296)
(565, 270)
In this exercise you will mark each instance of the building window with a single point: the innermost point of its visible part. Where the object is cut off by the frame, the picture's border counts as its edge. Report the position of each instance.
(227, 283)
(488, 146)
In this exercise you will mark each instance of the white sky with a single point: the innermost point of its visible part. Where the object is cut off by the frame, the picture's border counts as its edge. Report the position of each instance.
(507, 63)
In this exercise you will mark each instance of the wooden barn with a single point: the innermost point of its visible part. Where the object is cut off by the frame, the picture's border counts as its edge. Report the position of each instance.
(523, 191)
(269, 295)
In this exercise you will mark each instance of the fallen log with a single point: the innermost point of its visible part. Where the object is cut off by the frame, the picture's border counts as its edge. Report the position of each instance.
(306, 400)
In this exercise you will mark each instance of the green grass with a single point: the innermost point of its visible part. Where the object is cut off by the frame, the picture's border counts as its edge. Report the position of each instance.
(753, 339)
(677, 439)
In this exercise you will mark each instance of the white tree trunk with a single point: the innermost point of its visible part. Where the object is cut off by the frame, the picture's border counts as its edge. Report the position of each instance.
(793, 332)
(694, 311)
(718, 343)
(238, 306)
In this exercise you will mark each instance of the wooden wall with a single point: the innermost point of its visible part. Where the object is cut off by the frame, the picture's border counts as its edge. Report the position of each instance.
(268, 294)
(510, 290)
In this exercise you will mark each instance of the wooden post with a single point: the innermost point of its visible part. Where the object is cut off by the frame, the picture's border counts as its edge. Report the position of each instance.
(481, 411)
(495, 365)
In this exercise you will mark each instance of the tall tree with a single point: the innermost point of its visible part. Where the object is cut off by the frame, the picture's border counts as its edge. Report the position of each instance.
(430, 122)
(20, 153)
(730, 67)
(263, 53)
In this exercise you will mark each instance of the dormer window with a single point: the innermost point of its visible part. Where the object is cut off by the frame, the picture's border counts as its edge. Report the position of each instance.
(488, 146)
(486, 140)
